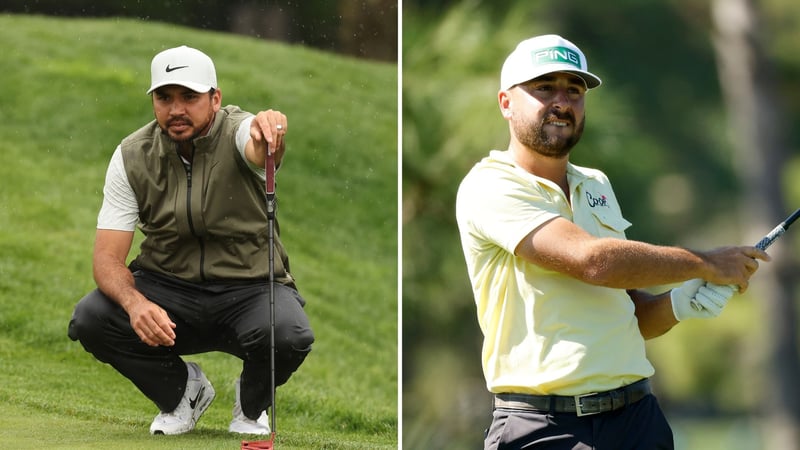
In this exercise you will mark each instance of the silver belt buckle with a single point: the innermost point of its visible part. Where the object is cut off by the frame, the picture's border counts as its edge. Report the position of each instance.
(579, 405)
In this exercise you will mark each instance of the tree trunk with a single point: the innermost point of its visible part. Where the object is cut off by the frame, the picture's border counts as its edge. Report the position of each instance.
(758, 134)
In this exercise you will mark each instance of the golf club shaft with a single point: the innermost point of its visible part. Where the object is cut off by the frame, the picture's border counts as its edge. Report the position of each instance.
(271, 207)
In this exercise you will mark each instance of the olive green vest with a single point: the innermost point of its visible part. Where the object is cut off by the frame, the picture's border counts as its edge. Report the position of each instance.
(207, 223)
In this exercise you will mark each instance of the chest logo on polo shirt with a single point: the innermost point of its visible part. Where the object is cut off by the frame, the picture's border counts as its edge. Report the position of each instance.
(593, 201)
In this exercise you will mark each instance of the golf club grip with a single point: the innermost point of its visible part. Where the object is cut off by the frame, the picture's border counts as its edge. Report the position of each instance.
(777, 232)
(770, 238)
(270, 169)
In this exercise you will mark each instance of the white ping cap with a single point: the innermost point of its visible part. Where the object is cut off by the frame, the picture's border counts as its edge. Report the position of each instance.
(545, 54)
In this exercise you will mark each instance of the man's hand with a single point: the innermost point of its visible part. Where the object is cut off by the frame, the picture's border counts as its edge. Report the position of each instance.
(267, 131)
(713, 297)
(733, 265)
(151, 323)
(698, 299)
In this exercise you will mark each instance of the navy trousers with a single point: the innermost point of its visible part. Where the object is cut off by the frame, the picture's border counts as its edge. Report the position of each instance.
(227, 317)
(639, 426)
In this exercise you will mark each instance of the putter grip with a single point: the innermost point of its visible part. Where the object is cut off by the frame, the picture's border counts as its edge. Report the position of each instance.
(270, 169)
(270, 185)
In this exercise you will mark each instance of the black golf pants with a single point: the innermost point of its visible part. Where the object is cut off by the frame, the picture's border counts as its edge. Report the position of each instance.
(639, 426)
(231, 318)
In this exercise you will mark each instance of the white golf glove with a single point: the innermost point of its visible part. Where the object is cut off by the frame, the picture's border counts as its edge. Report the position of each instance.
(698, 299)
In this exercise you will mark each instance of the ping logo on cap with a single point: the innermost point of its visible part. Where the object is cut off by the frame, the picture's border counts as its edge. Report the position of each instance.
(556, 55)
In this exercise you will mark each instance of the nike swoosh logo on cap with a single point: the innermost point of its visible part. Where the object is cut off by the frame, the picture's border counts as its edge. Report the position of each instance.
(170, 69)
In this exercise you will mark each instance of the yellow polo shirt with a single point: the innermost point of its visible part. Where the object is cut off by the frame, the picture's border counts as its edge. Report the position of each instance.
(544, 332)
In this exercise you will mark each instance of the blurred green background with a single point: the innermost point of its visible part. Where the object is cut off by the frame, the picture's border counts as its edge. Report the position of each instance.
(690, 165)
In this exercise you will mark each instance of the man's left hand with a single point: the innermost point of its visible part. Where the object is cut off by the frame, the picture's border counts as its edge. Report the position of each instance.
(713, 297)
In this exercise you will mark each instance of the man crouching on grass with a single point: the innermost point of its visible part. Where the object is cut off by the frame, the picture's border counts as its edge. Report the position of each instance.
(193, 181)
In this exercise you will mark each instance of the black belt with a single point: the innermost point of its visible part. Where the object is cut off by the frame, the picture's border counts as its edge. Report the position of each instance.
(582, 405)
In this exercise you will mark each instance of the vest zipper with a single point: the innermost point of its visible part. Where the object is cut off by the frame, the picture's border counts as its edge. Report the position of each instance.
(188, 168)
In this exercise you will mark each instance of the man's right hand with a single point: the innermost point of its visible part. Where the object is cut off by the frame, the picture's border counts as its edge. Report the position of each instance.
(151, 323)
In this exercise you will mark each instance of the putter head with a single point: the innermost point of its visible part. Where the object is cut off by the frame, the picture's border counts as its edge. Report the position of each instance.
(259, 445)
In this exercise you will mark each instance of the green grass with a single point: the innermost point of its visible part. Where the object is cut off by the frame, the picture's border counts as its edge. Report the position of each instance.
(73, 88)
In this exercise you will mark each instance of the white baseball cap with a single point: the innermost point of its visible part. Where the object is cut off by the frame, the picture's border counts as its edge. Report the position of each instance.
(184, 66)
(545, 54)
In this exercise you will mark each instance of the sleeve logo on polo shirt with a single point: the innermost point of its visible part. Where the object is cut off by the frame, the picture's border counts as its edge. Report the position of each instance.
(593, 201)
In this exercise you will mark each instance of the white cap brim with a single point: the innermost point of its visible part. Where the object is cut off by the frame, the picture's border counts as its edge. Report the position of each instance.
(197, 87)
(592, 81)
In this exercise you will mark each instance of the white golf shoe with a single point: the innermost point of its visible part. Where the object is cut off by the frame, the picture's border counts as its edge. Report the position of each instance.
(245, 425)
(196, 398)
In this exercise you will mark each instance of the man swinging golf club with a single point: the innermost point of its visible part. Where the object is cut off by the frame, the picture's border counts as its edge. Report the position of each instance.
(561, 294)
(193, 180)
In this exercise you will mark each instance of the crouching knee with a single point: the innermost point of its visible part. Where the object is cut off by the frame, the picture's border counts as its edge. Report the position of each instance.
(91, 316)
(301, 340)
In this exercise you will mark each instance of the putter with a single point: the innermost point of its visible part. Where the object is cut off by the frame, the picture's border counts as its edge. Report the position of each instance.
(765, 242)
(271, 206)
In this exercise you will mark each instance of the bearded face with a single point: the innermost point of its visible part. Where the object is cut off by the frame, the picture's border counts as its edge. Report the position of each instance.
(183, 113)
(552, 135)
(546, 114)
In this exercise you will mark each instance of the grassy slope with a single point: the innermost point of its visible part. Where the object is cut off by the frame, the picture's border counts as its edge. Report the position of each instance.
(72, 90)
